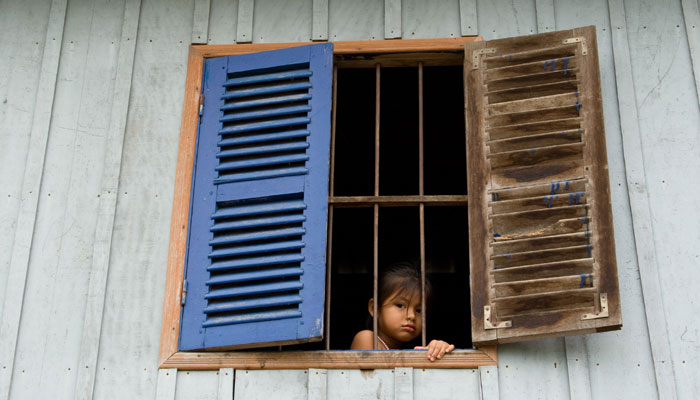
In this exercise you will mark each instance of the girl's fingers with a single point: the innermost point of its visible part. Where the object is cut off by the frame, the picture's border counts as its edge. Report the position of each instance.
(436, 349)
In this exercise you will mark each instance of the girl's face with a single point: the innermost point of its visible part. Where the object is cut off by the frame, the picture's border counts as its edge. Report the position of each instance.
(400, 319)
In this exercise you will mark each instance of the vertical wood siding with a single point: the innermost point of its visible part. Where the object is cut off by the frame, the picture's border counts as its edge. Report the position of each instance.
(82, 271)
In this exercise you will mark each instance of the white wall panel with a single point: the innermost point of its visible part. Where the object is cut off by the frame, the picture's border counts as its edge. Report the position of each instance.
(46, 349)
(615, 364)
(127, 360)
(223, 16)
(355, 20)
(447, 384)
(21, 48)
(421, 19)
(602, 352)
(505, 18)
(282, 21)
(669, 124)
(533, 370)
(266, 385)
(200, 385)
(365, 384)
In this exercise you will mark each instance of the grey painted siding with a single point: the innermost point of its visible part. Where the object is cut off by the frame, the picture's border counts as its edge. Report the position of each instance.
(91, 94)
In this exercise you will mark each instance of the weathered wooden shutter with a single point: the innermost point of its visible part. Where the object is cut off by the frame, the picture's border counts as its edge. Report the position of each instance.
(255, 264)
(542, 255)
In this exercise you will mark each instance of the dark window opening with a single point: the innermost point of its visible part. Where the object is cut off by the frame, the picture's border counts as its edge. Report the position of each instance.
(399, 239)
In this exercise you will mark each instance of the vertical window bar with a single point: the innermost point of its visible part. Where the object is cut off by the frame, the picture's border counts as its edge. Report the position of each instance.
(376, 206)
(329, 248)
(421, 192)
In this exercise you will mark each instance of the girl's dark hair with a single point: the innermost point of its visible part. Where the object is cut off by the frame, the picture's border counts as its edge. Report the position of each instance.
(398, 278)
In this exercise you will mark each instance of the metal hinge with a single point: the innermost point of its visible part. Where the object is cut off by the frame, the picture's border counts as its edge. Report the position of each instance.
(489, 325)
(603, 309)
(582, 40)
(201, 104)
(476, 55)
(184, 292)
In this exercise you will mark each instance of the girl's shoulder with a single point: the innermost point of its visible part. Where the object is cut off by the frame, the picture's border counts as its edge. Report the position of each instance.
(364, 340)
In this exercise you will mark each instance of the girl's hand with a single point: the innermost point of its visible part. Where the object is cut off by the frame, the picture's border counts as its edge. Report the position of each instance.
(436, 349)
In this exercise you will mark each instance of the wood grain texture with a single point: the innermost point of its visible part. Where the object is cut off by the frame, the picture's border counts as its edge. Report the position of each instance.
(181, 199)
(368, 201)
(200, 22)
(31, 186)
(327, 360)
(92, 326)
(545, 306)
(174, 275)
(639, 203)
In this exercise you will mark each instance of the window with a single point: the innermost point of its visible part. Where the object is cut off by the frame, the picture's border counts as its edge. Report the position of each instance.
(532, 294)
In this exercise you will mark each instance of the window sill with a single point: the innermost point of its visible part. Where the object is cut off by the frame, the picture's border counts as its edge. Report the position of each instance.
(338, 359)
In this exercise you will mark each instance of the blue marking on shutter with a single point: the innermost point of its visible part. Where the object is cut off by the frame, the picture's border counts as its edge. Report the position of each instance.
(255, 260)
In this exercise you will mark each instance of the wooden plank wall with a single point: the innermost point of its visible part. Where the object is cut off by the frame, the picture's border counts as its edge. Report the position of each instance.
(91, 93)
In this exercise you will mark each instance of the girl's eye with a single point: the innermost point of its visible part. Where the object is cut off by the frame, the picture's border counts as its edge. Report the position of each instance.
(418, 310)
(400, 305)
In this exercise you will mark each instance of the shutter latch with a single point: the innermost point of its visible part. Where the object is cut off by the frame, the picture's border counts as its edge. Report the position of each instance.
(489, 325)
(603, 309)
(476, 55)
(582, 40)
(184, 292)
(201, 103)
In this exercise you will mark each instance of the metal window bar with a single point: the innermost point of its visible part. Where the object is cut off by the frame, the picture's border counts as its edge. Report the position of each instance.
(421, 192)
(376, 200)
(376, 206)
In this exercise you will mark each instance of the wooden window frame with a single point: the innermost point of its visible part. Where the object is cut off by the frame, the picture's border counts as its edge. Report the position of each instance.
(393, 53)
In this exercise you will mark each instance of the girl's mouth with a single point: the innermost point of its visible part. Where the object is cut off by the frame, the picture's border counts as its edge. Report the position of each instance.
(409, 328)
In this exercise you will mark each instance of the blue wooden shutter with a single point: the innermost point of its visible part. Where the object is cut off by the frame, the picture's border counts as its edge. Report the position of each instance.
(255, 266)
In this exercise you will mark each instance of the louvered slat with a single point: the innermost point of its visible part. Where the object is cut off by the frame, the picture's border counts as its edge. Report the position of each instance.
(269, 137)
(290, 87)
(253, 303)
(266, 113)
(258, 248)
(259, 235)
(251, 317)
(260, 162)
(256, 231)
(534, 123)
(277, 76)
(265, 101)
(259, 222)
(254, 275)
(259, 208)
(263, 288)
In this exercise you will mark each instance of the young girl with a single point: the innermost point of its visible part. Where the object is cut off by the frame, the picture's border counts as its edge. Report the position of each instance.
(399, 318)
